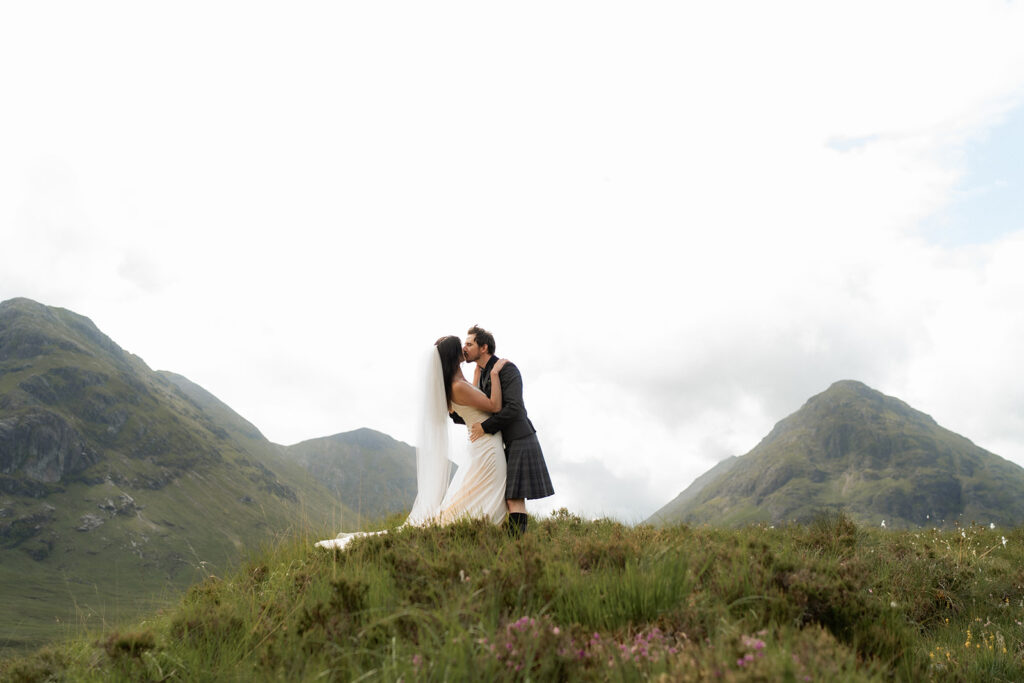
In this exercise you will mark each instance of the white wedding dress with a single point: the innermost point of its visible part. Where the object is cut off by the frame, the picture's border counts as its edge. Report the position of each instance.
(478, 488)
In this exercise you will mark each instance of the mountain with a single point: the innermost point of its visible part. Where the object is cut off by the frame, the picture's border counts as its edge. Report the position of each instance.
(854, 449)
(373, 473)
(119, 486)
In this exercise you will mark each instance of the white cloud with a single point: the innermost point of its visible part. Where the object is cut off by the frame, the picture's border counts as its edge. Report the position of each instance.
(680, 221)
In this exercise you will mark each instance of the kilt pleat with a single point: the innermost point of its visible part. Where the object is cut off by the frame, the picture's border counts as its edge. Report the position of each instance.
(527, 472)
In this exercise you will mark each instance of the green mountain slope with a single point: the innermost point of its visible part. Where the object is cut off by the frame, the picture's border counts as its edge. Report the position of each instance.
(119, 486)
(854, 449)
(373, 473)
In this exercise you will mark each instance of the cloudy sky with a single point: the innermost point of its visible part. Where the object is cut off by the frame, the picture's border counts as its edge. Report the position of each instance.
(681, 220)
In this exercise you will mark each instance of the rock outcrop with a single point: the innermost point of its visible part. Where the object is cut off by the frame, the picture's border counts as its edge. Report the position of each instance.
(43, 445)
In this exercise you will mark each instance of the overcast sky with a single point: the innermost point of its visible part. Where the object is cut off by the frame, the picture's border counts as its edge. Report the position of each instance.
(680, 220)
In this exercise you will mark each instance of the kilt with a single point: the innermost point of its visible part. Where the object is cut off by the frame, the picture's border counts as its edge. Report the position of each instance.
(527, 472)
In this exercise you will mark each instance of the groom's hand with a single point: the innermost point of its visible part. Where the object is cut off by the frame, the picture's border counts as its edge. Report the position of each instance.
(476, 431)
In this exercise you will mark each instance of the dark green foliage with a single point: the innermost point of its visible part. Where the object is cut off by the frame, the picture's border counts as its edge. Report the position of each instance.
(832, 532)
(131, 644)
(48, 664)
(18, 530)
(209, 624)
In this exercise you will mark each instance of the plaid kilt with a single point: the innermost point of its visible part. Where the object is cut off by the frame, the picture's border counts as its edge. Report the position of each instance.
(527, 471)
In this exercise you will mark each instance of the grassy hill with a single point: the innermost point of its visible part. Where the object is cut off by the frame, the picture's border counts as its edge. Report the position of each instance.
(576, 600)
(855, 450)
(120, 486)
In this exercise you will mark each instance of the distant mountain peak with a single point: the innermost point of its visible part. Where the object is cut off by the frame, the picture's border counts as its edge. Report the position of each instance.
(850, 384)
(856, 449)
(29, 329)
(855, 400)
(851, 389)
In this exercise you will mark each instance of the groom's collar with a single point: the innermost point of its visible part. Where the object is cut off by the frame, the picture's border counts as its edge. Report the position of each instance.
(490, 363)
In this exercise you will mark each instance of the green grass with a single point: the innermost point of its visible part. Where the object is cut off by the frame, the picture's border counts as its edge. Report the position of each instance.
(133, 564)
(579, 600)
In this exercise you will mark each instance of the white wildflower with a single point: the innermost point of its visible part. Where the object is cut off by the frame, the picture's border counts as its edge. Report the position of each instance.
(883, 523)
(991, 525)
(1004, 541)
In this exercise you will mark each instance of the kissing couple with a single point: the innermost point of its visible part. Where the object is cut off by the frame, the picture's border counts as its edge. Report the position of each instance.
(505, 465)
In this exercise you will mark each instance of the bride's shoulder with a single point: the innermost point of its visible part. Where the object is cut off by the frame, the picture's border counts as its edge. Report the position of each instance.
(461, 385)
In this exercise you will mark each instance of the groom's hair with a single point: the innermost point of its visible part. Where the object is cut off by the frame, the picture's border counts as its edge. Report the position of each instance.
(482, 337)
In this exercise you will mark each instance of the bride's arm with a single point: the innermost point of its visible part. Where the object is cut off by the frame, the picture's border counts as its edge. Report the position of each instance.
(512, 402)
(496, 386)
(466, 394)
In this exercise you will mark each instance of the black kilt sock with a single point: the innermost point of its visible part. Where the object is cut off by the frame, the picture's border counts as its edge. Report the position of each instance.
(516, 523)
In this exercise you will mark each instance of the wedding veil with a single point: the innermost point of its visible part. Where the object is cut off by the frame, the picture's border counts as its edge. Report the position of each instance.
(433, 467)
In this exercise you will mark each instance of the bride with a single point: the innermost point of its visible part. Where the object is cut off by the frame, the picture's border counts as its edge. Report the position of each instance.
(478, 489)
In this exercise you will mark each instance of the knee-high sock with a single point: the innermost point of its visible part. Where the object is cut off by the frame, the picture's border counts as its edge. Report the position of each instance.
(517, 523)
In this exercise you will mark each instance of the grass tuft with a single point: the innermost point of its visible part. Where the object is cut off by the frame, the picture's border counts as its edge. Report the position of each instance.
(591, 601)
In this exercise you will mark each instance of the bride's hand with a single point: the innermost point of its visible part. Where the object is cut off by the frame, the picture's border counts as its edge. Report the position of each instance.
(498, 366)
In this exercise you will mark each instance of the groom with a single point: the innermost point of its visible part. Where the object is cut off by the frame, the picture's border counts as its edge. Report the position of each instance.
(527, 472)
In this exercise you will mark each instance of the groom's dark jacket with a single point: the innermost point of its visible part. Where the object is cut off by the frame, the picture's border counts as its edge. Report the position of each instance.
(511, 420)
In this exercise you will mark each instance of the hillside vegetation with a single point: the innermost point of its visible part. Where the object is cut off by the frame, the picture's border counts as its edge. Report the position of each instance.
(578, 600)
(855, 450)
(121, 486)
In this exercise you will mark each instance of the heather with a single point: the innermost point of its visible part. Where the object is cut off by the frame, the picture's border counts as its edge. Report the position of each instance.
(590, 601)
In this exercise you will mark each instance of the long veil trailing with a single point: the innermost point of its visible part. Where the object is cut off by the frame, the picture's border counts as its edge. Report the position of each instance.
(433, 461)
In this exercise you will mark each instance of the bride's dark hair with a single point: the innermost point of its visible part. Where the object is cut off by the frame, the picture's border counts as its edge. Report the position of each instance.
(450, 350)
